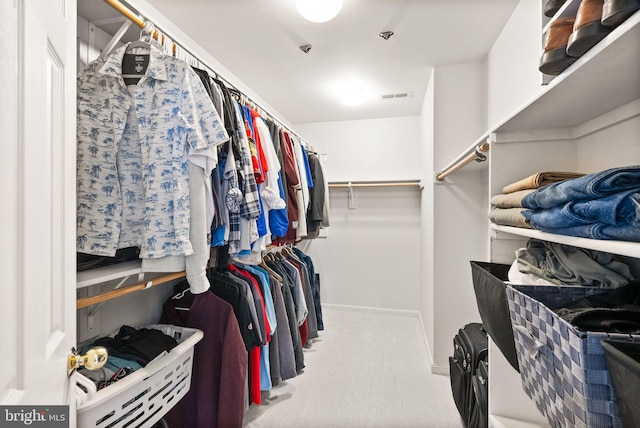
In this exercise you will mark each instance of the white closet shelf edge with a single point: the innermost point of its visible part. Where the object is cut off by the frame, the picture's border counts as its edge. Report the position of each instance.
(605, 120)
(623, 248)
(108, 273)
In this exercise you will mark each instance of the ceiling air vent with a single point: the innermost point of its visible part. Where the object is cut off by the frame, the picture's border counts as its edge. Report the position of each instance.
(398, 95)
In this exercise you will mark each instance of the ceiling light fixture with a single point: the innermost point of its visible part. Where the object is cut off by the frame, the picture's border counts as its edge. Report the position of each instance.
(353, 96)
(319, 10)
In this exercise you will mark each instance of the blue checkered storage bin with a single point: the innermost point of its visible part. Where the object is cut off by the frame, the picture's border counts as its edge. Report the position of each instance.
(562, 368)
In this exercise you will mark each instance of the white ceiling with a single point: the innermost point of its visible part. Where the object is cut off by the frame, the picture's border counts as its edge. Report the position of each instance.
(258, 41)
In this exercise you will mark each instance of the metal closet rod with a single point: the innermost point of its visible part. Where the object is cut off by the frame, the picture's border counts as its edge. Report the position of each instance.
(88, 301)
(142, 23)
(476, 155)
(348, 184)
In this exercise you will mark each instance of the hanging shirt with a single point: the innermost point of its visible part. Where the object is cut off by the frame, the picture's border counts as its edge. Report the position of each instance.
(316, 196)
(305, 158)
(250, 207)
(326, 206)
(257, 158)
(302, 191)
(167, 115)
(271, 190)
(292, 189)
(216, 396)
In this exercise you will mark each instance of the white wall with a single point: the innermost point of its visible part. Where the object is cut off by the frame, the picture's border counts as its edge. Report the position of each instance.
(372, 254)
(611, 147)
(371, 257)
(459, 204)
(372, 149)
(427, 221)
(512, 76)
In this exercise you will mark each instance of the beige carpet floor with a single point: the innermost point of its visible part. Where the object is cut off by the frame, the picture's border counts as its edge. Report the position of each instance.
(367, 369)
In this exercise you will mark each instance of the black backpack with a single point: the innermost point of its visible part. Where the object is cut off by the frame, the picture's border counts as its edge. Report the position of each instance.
(470, 346)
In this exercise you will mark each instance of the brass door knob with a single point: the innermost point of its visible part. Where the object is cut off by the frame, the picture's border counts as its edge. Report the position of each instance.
(94, 359)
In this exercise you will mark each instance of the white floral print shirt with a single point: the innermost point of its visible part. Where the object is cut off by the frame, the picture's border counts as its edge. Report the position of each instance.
(133, 147)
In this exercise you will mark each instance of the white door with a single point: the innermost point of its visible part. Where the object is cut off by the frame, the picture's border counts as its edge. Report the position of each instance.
(37, 200)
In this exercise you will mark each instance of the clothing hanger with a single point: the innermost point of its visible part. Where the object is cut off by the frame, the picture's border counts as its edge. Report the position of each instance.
(270, 271)
(287, 250)
(144, 42)
(180, 289)
(181, 294)
(235, 93)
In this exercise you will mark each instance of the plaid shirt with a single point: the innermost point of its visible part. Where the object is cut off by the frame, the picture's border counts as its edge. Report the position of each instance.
(250, 208)
(231, 175)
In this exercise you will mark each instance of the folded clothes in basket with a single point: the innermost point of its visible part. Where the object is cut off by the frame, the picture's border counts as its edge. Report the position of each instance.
(139, 345)
(104, 377)
(616, 311)
(129, 350)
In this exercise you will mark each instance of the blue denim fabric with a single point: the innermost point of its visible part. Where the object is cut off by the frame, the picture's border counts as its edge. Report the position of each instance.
(601, 231)
(590, 186)
(613, 217)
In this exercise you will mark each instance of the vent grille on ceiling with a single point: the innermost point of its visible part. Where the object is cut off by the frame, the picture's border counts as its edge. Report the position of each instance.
(398, 95)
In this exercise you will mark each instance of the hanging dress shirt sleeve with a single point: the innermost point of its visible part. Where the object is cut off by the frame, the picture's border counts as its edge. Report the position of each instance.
(270, 192)
(305, 159)
(203, 123)
(292, 186)
(302, 191)
(316, 196)
(326, 206)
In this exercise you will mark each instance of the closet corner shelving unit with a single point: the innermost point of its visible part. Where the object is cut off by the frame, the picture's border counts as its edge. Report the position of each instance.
(586, 119)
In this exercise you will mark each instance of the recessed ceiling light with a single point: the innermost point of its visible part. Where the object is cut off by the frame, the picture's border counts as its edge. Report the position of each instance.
(319, 10)
(353, 96)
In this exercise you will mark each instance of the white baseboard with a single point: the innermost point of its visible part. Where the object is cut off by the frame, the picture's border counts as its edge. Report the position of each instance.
(372, 310)
(439, 369)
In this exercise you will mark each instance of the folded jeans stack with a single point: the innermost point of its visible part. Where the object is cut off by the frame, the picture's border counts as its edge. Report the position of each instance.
(506, 208)
(601, 205)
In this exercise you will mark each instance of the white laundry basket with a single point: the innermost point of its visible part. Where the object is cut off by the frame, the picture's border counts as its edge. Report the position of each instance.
(143, 397)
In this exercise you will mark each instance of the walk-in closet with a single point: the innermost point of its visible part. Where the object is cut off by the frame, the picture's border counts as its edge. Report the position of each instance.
(399, 214)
